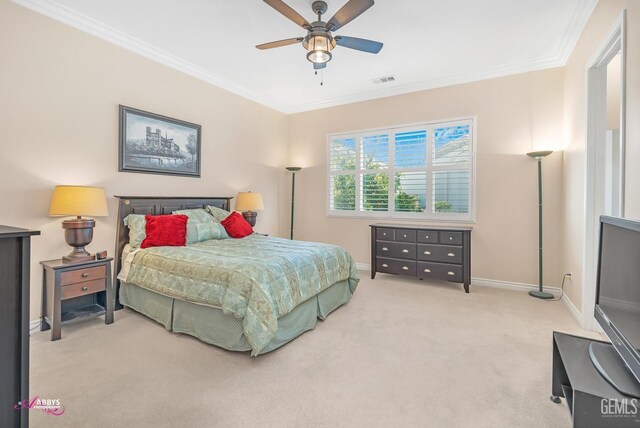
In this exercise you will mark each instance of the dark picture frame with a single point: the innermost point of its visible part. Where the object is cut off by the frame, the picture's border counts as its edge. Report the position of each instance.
(154, 144)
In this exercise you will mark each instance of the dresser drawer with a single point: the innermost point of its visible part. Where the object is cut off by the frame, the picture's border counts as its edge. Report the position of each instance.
(398, 267)
(439, 271)
(82, 288)
(385, 234)
(428, 236)
(81, 275)
(396, 250)
(405, 235)
(440, 253)
(451, 238)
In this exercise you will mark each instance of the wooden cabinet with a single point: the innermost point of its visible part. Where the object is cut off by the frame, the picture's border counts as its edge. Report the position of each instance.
(15, 249)
(423, 252)
(74, 291)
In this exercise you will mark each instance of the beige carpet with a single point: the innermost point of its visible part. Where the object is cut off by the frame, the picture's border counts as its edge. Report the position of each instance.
(402, 352)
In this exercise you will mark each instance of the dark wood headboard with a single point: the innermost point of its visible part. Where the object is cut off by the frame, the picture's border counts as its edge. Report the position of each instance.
(154, 205)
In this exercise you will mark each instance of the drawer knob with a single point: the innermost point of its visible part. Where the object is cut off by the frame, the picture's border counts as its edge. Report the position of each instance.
(84, 275)
(427, 252)
(405, 268)
(384, 233)
(85, 288)
(428, 270)
(451, 238)
(405, 251)
(450, 273)
(451, 255)
(404, 236)
(385, 249)
(385, 265)
(426, 237)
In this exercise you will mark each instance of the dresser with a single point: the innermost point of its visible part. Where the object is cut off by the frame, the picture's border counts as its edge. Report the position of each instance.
(441, 253)
(15, 249)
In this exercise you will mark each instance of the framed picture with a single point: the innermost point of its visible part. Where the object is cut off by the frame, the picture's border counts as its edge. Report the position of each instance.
(154, 144)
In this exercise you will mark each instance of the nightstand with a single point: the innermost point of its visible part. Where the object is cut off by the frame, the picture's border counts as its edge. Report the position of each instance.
(75, 291)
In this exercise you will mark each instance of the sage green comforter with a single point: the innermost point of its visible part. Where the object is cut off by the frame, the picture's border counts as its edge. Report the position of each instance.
(257, 278)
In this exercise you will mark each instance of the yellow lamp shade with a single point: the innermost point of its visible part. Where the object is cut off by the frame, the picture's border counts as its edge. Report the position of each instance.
(249, 201)
(78, 201)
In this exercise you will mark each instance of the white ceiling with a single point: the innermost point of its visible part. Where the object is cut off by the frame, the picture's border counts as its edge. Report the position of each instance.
(427, 43)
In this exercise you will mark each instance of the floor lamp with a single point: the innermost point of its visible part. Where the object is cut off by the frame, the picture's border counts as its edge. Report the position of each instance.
(539, 293)
(293, 170)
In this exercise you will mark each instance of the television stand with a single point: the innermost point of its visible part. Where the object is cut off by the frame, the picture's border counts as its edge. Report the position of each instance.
(591, 399)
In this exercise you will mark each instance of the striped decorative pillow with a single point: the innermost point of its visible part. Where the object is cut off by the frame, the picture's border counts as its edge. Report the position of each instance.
(201, 226)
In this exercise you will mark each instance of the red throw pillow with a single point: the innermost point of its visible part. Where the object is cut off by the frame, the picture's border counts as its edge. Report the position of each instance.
(165, 230)
(236, 226)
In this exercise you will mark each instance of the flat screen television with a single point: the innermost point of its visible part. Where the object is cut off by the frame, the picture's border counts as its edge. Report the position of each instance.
(617, 308)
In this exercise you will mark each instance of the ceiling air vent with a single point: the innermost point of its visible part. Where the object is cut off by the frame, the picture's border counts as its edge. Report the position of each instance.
(385, 79)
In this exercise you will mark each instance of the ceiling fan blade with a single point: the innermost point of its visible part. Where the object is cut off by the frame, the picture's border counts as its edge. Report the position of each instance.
(318, 66)
(287, 11)
(347, 13)
(363, 45)
(280, 43)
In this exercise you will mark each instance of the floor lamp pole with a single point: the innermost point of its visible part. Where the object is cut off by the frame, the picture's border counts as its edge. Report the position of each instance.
(540, 294)
(293, 170)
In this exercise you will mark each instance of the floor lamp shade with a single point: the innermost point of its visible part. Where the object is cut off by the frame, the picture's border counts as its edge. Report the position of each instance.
(293, 170)
(540, 293)
(78, 201)
(249, 203)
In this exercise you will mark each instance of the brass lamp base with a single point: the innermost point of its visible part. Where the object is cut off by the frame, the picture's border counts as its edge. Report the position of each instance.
(78, 233)
(250, 216)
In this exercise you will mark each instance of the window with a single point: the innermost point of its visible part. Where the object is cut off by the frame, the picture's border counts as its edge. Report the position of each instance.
(416, 172)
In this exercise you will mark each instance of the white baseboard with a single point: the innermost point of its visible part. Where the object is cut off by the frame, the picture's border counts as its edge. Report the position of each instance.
(572, 309)
(364, 266)
(33, 324)
(508, 285)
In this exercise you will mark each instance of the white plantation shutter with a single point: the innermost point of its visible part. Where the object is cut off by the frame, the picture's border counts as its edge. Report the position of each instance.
(342, 181)
(419, 172)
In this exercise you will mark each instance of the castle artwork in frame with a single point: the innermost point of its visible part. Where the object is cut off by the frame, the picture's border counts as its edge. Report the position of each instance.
(154, 144)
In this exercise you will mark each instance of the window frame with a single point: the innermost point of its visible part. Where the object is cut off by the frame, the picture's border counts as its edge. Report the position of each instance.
(430, 168)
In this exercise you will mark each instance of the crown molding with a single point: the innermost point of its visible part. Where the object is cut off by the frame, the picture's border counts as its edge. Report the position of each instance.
(579, 19)
(105, 32)
(58, 12)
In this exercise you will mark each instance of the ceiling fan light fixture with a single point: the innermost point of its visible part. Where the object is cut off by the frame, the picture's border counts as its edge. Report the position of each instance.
(319, 47)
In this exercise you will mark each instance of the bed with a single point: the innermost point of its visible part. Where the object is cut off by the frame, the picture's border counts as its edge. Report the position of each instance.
(252, 294)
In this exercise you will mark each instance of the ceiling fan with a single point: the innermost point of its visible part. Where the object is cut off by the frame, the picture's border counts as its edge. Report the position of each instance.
(319, 41)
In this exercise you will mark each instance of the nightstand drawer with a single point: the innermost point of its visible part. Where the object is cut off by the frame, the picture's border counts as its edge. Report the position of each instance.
(398, 267)
(440, 271)
(451, 238)
(440, 253)
(82, 288)
(405, 235)
(396, 250)
(80, 275)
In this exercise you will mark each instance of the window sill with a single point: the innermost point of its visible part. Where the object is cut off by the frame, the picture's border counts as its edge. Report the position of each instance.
(403, 219)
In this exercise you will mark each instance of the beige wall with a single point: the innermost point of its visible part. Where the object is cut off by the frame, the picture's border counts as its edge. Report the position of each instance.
(515, 115)
(59, 95)
(601, 22)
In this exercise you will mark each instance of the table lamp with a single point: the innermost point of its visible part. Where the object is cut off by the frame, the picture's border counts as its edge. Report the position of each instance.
(249, 203)
(78, 201)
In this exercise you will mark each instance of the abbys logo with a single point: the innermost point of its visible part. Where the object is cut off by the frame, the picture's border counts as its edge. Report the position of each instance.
(614, 408)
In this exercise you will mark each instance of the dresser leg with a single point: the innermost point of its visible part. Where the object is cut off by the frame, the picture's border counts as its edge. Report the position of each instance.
(373, 275)
(466, 287)
(44, 325)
